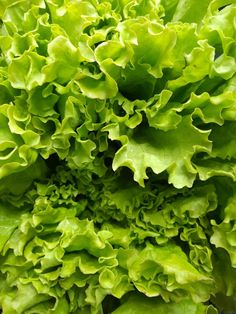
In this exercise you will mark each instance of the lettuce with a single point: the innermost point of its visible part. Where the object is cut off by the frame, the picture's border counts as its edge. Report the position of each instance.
(117, 156)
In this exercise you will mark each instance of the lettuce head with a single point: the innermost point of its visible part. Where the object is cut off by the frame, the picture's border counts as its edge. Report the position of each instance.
(117, 156)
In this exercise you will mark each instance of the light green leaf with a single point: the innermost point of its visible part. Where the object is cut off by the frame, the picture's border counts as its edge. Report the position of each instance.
(9, 220)
(190, 11)
(25, 72)
(159, 150)
(138, 304)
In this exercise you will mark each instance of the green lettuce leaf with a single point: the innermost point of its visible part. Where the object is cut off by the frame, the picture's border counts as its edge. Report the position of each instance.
(139, 304)
(159, 151)
(117, 156)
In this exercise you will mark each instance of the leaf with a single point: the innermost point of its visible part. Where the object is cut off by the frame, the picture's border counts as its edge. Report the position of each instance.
(224, 233)
(63, 60)
(159, 150)
(138, 304)
(25, 71)
(9, 220)
(189, 11)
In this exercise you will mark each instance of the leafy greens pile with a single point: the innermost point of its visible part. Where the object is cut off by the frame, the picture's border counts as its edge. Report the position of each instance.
(117, 156)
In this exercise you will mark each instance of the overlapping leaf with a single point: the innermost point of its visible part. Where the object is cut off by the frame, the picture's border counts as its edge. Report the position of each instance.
(113, 114)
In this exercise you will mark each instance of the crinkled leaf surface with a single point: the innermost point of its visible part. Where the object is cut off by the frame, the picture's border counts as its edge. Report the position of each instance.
(137, 304)
(117, 156)
(159, 150)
